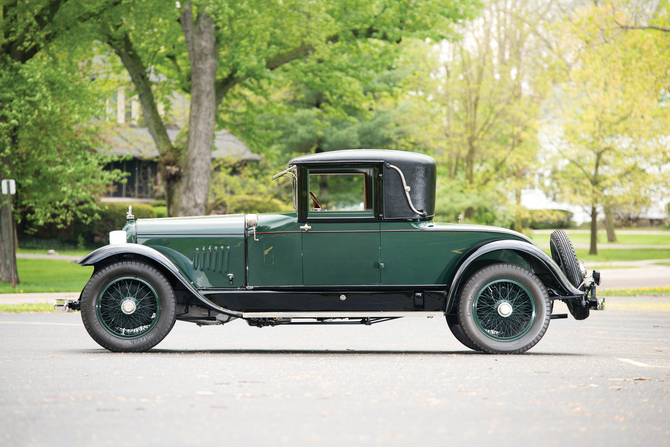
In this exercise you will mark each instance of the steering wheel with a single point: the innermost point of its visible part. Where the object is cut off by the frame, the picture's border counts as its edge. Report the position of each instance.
(315, 202)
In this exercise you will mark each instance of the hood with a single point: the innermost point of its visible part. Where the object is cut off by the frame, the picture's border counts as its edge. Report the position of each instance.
(200, 225)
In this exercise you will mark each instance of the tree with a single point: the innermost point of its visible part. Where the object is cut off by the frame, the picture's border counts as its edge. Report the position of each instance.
(611, 116)
(479, 105)
(47, 141)
(228, 45)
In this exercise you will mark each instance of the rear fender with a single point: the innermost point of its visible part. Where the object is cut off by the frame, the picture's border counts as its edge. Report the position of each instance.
(109, 253)
(514, 252)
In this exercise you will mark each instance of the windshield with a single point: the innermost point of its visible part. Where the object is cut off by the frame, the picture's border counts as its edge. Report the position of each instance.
(291, 171)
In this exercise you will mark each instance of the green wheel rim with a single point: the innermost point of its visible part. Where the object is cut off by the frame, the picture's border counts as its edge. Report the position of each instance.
(494, 301)
(142, 307)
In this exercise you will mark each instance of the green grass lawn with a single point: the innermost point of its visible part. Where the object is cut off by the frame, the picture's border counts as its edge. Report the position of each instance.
(591, 266)
(23, 308)
(80, 253)
(640, 291)
(45, 275)
(622, 237)
(621, 255)
(609, 255)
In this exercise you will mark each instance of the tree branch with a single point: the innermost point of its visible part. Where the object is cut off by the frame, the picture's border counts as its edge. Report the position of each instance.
(223, 86)
(186, 21)
(21, 51)
(646, 27)
(123, 47)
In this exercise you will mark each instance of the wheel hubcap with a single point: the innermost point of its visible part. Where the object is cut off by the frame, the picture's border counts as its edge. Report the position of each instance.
(504, 310)
(128, 307)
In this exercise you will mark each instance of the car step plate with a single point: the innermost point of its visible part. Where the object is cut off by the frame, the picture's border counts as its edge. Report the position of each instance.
(340, 314)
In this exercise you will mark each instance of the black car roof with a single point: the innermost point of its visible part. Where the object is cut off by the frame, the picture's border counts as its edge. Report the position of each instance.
(364, 155)
(418, 170)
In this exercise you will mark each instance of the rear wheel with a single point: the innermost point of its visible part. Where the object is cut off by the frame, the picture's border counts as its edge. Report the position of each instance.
(504, 309)
(457, 330)
(128, 307)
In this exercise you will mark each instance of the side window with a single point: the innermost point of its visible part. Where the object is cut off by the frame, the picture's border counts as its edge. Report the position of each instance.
(334, 192)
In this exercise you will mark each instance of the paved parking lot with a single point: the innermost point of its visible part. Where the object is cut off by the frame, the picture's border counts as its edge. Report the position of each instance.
(604, 381)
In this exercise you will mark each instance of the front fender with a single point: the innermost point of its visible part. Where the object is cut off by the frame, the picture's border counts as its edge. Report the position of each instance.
(537, 258)
(142, 251)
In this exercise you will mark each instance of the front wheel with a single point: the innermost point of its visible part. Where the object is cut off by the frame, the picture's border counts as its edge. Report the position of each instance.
(128, 307)
(504, 309)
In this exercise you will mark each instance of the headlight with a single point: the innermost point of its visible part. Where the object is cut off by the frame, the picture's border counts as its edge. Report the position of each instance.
(117, 237)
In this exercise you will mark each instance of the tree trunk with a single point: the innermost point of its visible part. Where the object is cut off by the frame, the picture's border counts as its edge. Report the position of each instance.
(609, 225)
(454, 168)
(593, 250)
(471, 163)
(518, 220)
(170, 156)
(203, 51)
(7, 249)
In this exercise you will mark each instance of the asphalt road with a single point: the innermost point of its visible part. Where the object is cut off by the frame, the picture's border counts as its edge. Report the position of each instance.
(601, 382)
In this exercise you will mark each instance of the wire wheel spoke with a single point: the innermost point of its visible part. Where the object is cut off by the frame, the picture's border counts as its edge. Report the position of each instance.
(504, 310)
(139, 318)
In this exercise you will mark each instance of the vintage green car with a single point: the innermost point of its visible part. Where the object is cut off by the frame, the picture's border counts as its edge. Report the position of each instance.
(360, 247)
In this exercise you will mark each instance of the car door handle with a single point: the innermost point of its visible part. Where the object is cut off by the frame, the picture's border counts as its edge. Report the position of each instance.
(305, 227)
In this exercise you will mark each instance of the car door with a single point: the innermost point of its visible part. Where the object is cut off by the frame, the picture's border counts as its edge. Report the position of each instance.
(341, 239)
(275, 251)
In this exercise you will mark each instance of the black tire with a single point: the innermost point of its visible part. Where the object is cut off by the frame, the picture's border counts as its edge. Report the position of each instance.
(491, 293)
(563, 254)
(457, 330)
(128, 306)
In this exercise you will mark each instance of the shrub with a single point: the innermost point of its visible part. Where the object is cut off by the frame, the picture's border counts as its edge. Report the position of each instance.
(484, 207)
(79, 235)
(113, 217)
(161, 211)
(242, 203)
(548, 219)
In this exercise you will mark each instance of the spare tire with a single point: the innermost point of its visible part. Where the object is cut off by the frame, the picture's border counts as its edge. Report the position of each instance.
(563, 254)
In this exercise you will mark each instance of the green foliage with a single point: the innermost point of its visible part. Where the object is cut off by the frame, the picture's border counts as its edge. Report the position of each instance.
(248, 189)
(113, 217)
(344, 46)
(610, 111)
(48, 134)
(475, 105)
(161, 211)
(486, 207)
(42, 245)
(234, 204)
(548, 219)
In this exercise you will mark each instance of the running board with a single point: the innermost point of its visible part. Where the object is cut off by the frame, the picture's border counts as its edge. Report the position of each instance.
(355, 315)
